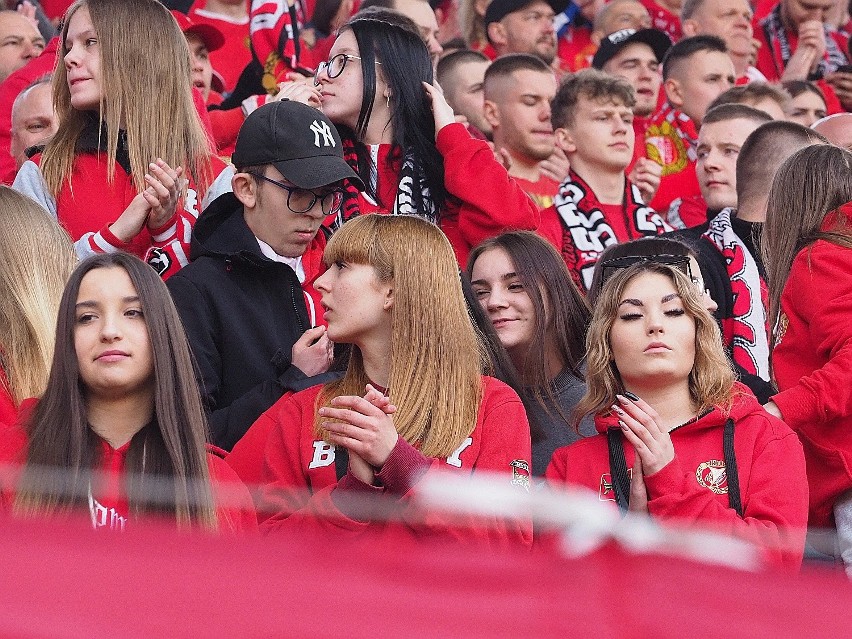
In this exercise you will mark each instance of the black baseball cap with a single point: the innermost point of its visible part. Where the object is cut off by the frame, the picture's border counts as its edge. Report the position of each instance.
(659, 42)
(499, 9)
(296, 139)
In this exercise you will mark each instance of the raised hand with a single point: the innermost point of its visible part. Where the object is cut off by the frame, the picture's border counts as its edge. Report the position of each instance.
(313, 351)
(165, 186)
(639, 423)
(361, 427)
(441, 110)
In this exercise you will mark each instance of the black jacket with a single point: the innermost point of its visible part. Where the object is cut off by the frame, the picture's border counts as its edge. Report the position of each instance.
(242, 313)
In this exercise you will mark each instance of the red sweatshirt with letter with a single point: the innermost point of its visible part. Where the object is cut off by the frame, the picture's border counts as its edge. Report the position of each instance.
(302, 491)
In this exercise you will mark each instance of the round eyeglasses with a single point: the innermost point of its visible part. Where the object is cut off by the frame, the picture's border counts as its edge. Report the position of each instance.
(303, 200)
(335, 65)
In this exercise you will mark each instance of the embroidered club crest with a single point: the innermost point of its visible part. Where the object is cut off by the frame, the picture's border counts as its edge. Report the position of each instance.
(713, 475)
(606, 492)
(520, 473)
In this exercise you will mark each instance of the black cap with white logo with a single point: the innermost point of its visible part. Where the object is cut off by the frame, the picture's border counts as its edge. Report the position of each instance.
(659, 42)
(296, 139)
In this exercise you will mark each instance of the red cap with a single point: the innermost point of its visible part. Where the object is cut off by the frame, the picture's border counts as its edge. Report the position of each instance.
(210, 35)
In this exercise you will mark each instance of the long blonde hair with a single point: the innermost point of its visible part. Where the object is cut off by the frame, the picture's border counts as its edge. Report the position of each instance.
(146, 84)
(437, 357)
(36, 259)
(711, 379)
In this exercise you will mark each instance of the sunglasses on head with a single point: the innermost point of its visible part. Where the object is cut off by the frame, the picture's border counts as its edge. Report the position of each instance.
(613, 266)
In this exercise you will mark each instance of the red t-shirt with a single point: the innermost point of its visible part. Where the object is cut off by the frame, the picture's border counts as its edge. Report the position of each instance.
(541, 191)
(663, 19)
(576, 49)
(232, 58)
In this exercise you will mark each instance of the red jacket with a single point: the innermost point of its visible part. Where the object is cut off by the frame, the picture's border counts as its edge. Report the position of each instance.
(108, 504)
(692, 489)
(663, 20)
(302, 490)
(88, 225)
(812, 364)
(487, 200)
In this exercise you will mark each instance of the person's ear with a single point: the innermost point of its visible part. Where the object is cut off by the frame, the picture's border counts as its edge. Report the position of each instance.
(491, 112)
(480, 6)
(388, 301)
(565, 140)
(674, 94)
(497, 34)
(245, 189)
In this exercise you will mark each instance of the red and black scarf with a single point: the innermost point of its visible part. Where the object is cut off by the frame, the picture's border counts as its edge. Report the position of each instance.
(586, 231)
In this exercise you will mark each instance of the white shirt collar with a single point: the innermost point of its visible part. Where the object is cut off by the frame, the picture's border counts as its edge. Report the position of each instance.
(294, 263)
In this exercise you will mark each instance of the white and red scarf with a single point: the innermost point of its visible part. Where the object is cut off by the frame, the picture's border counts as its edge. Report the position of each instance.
(746, 330)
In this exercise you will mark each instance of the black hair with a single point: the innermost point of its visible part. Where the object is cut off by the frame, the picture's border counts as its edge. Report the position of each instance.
(392, 39)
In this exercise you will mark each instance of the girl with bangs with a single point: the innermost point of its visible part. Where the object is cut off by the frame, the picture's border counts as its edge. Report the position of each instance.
(679, 439)
(412, 401)
(119, 432)
(401, 136)
(130, 167)
(807, 247)
(36, 258)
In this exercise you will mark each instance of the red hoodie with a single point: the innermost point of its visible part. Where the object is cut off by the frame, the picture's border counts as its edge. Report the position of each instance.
(692, 489)
(812, 364)
(302, 490)
(108, 506)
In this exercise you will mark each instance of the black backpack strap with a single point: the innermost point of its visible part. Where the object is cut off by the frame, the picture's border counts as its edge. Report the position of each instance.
(618, 468)
(341, 461)
(734, 498)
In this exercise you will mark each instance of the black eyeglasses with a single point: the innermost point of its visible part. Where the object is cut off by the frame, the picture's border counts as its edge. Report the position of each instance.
(335, 65)
(303, 200)
(680, 262)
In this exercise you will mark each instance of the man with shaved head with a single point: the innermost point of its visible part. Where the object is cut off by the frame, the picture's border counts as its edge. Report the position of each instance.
(518, 92)
(727, 252)
(837, 129)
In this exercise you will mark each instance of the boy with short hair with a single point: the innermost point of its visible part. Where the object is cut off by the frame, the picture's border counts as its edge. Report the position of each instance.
(597, 205)
(695, 71)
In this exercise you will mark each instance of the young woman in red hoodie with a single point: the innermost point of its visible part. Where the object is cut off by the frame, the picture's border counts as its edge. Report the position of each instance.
(807, 245)
(403, 140)
(679, 439)
(413, 400)
(130, 166)
(119, 433)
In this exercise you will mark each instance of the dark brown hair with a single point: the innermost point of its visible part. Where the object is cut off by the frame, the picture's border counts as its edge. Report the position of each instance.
(591, 84)
(561, 312)
(63, 450)
(809, 186)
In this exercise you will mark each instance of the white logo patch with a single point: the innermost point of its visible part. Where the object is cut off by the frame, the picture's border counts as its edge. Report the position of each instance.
(322, 129)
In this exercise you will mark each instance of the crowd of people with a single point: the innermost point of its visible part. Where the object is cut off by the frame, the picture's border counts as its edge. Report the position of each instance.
(264, 265)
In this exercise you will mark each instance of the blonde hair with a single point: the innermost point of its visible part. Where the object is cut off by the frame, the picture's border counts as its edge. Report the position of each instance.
(437, 357)
(36, 259)
(146, 84)
(472, 24)
(711, 379)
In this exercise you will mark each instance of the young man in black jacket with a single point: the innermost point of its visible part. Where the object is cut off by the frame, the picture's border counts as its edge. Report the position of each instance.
(246, 300)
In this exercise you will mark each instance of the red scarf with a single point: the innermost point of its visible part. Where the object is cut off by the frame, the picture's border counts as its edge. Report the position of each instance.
(587, 231)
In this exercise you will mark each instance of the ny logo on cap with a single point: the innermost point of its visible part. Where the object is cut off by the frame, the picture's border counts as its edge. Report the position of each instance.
(322, 129)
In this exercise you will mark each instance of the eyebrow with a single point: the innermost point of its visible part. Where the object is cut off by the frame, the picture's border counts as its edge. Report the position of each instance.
(92, 304)
(506, 276)
(634, 302)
